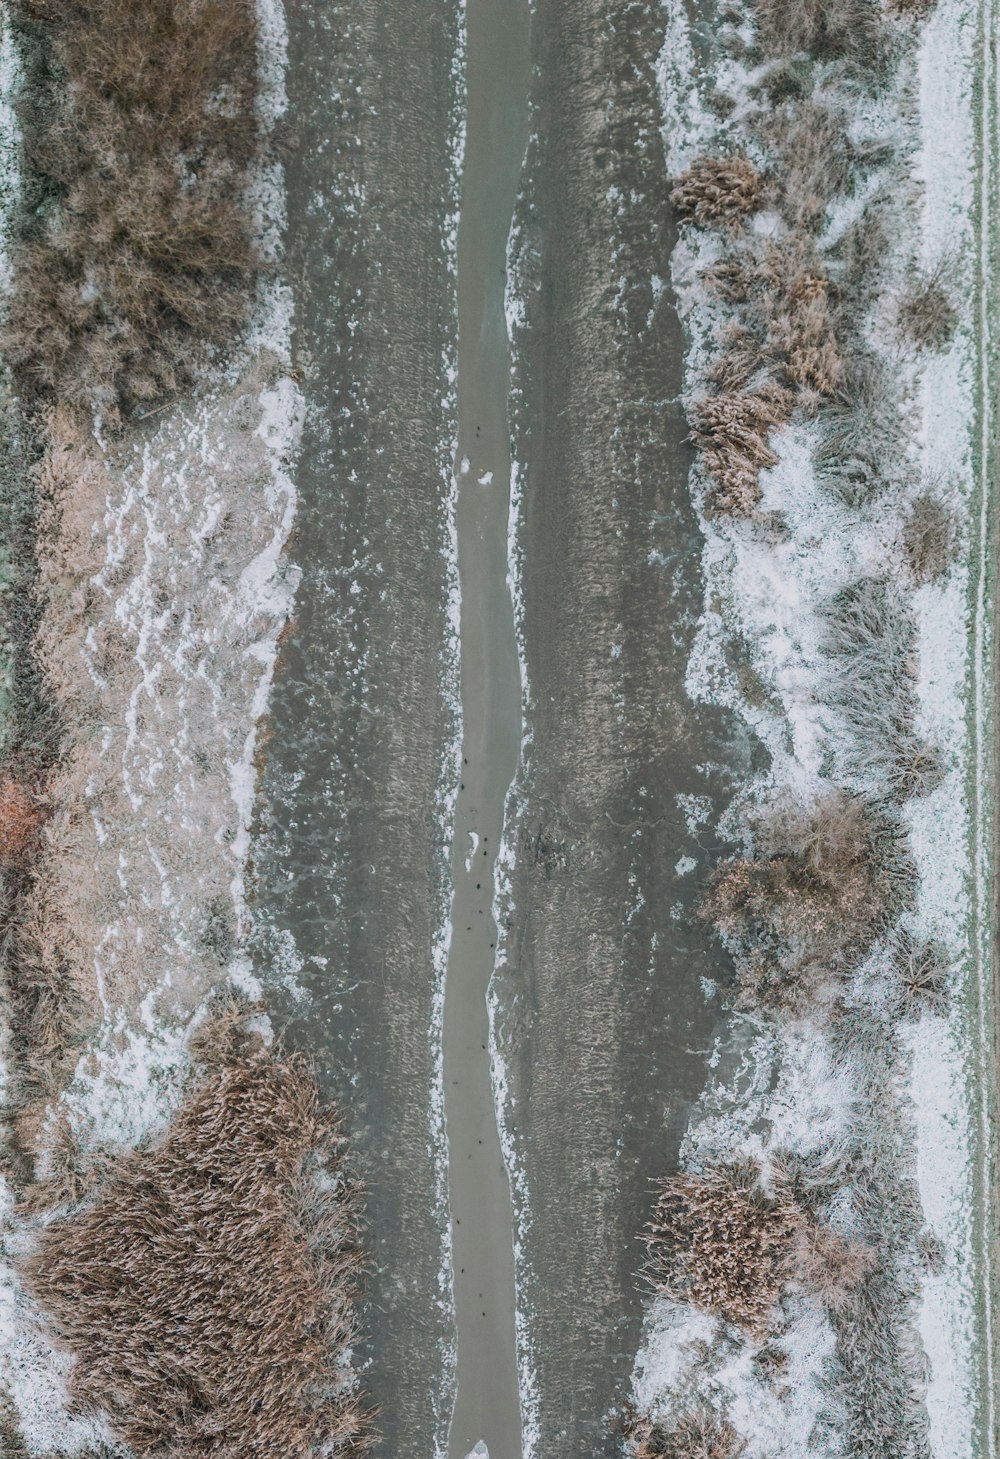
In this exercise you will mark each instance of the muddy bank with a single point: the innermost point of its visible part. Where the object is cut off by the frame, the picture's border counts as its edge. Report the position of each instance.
(601, 1016)
(352, 855)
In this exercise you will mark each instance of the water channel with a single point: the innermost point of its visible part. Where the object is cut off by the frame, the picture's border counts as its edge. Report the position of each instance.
(487, 1406)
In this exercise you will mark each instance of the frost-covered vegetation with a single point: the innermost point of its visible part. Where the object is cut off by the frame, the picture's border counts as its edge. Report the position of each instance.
(137, 247)
(789, 1255)
(162, 1169)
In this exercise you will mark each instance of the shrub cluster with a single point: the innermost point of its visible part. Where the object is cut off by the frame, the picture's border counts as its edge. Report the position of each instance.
(139, 126)
(822, 885)
(718, 1241)
(871, 638)
(929, 538)
(205, 1290)
(699, 1435)
(20, 818)
(718, 190)
(811, 899)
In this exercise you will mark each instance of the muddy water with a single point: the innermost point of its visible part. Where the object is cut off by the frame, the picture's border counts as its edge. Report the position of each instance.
(487, 1404)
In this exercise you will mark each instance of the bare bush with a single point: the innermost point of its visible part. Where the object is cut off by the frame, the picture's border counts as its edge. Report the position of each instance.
(827, 1265)
(930, 537)
(871, 635)
(923, 967)
(718, 1242)
(20, 819)
(741, 358)
(926, 312)
(801, 335)
(732, 433)
(849, 30)
(810, 141)
(862, 449)
(140, 250)
(718, 191)
(208, 1292)
(811, 898)
(699, 1435)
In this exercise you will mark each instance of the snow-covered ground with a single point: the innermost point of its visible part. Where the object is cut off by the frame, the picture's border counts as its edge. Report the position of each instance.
(166, 588)
(792, 1089)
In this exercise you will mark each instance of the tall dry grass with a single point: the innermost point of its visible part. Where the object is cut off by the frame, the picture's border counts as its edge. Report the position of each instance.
(811, 898)
(20, 819)
(208, 1293)
(718, 191)
(139, 127)
(698, 1435)
(719, 1241)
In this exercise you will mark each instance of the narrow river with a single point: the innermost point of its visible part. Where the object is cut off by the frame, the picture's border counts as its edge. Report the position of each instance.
(487, 1404)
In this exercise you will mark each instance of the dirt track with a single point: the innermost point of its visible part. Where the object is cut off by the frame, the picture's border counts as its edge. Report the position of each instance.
(601, 1008)
(605, 960)
(353, 859)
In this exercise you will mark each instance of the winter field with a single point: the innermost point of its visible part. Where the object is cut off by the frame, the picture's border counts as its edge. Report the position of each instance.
(497, 766)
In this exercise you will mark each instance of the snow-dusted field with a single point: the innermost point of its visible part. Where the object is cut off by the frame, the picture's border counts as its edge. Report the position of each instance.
(792, 1088)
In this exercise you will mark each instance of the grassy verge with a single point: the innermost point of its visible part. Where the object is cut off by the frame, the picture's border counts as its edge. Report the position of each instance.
(812, 328)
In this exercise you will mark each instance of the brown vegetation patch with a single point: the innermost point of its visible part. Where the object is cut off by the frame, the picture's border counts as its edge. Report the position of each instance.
(812, 896)
(849, 30)
(785, 354)
(810, 139)
(827, 1265)
(140, 250)
(732, 432)
(208, 1293)
(718, 1241)
(701, 1435)
(927, 312)
(718, 191)
(20, 818)
(929, 537)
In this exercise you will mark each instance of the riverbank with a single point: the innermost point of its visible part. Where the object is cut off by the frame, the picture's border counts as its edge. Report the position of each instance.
(151, 608)
(598, 1015)
(820, 1086)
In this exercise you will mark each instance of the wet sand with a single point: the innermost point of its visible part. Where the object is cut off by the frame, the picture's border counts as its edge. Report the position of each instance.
(600, 1009)
(487, 1405)
(352, 859)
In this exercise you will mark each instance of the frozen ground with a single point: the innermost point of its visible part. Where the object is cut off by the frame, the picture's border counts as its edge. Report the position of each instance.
(789, 1089)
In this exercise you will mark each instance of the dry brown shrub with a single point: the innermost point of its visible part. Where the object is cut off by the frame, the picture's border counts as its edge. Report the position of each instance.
(742, 356)
(810, 141)
(732, 432)
(930, 537)
(809, 899)
(801, 337)
(20, 819)
(718, 1242)
(208, 1294)
(849, 30)
(700, 1435)
(718, 191)
(927, 312)
(923, 967)
(827, 1265)
(142, 250)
